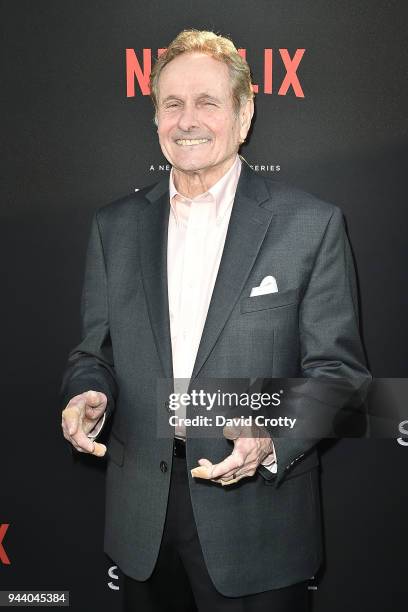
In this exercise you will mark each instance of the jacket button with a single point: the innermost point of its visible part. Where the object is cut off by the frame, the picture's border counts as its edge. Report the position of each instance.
(163, 466)
(167, 406)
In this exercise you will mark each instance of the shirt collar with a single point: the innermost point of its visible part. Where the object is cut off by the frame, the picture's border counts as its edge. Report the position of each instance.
(222, 192)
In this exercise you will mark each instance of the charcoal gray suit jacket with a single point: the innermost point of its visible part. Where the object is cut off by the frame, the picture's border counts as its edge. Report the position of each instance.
(259, 534)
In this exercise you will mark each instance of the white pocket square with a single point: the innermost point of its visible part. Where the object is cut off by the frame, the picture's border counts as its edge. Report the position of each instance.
(267, 285)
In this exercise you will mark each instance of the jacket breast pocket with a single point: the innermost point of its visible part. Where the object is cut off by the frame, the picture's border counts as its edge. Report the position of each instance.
(116, 450)
(270, 300)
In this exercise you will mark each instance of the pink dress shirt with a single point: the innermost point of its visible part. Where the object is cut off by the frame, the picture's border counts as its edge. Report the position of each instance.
(196, 237)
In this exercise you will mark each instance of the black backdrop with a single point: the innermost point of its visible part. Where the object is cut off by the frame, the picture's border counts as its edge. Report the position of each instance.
(74, 141)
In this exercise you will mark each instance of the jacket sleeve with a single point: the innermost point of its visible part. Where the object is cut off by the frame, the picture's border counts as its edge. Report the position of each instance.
(90, 364)
(333, 370)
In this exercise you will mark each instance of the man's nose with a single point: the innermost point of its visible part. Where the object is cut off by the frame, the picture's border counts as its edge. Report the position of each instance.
(188, 118)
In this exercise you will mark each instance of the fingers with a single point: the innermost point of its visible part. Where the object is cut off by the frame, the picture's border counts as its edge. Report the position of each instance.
(71, 415)
(95, 405)
(94, 398)
(99, 449)
(204, 470)
(252, 451)
(76, 423)
(208, 471)
(241, 463)
(80, 441)
(243, 460)
(207, 464)
(230, 481)
(228, 466)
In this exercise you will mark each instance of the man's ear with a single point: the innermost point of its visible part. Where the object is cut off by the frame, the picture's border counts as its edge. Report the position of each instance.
(245, 117)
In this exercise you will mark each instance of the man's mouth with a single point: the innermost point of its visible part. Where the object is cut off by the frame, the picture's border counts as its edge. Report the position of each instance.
(189, 142)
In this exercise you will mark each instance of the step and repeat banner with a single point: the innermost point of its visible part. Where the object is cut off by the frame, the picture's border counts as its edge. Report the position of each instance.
(78, 132)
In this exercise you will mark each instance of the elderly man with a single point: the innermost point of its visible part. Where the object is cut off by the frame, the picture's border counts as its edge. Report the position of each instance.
(213, 272)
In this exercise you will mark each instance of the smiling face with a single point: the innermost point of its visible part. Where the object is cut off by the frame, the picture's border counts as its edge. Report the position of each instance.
(198, 130)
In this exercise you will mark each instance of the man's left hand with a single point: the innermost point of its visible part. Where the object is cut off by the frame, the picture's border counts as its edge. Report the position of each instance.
(251, 446)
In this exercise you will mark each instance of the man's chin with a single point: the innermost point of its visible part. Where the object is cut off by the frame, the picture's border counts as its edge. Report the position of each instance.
(190, 166)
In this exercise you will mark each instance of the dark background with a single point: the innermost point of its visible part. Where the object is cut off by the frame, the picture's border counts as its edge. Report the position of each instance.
(73, 141)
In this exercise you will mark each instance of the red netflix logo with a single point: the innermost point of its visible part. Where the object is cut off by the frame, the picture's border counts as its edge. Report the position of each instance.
(3, 555)
(138, 72)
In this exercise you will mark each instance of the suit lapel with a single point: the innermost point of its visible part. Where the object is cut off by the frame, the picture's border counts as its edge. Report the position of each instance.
(246, 231)
(153, 257)
(247, 228)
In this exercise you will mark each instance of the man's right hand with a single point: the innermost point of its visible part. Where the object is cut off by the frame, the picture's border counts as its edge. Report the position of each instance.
(80, 416)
